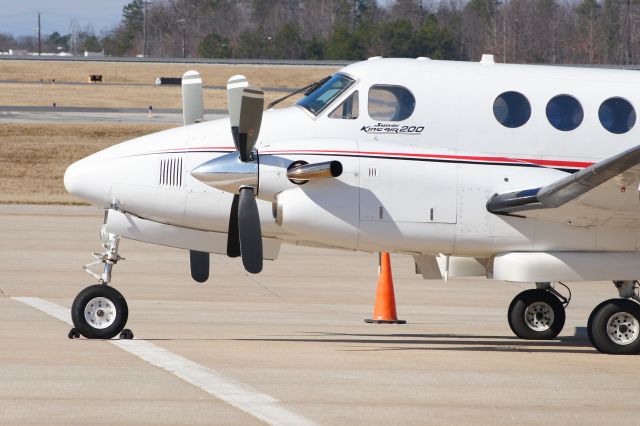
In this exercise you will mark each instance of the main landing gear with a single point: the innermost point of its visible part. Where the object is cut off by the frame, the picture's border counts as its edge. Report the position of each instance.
(538, 314)
(100, 311)
(614, 325)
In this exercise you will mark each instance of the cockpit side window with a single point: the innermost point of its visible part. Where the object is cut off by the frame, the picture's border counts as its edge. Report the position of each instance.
(390, 103)
(320, 98)
(347, 110)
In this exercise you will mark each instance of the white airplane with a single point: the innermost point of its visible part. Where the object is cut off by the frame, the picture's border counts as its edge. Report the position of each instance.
(519, 173)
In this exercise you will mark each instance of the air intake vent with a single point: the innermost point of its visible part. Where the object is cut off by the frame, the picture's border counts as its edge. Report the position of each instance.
(171, 172)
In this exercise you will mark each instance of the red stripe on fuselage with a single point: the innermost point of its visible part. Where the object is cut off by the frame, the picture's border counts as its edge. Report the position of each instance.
(497, 160)
(552, 163)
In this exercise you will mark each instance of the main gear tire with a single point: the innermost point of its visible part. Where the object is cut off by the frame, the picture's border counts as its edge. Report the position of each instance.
(536, 314)
(614, 327)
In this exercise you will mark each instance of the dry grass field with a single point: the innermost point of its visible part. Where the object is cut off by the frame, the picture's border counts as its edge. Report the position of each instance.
(146, 73)
(33, 157)
(106, 96)
(120, 88)
(17, 94)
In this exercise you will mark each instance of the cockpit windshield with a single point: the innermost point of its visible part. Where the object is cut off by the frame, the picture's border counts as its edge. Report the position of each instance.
(320, 98)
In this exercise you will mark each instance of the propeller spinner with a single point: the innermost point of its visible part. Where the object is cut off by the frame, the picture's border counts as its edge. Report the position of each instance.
(237, 173)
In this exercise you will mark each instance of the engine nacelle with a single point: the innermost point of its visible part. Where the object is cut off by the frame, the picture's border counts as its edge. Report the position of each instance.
(325, 212)
(305, 167)
(564, 266)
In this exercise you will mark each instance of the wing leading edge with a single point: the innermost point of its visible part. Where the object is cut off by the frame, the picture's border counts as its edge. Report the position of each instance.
(593, 196)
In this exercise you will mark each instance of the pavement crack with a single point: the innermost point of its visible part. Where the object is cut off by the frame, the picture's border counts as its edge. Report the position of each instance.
(261, 284)
(254, 279)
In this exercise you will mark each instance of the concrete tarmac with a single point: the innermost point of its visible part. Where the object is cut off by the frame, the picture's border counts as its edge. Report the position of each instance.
(295, 333)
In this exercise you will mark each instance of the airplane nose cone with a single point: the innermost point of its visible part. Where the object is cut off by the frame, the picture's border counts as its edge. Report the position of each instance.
(72, 178)
(84, 180)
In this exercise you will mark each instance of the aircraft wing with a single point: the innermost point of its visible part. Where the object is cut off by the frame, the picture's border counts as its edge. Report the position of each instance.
(606, 193)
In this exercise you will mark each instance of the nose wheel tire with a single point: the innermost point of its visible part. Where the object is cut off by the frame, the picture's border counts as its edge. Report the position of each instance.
(614, 327)
(99, 312)
(536, 315)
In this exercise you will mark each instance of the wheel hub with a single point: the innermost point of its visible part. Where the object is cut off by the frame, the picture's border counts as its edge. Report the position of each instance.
(623, 328)
(538, 316)
(100, 312)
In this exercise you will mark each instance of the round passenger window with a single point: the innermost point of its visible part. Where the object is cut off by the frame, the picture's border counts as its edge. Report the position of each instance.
(512, 109)
(617, 115)
(390, 103)
(564, 112)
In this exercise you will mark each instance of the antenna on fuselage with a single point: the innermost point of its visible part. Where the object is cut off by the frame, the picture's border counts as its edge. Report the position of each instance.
(487, 59)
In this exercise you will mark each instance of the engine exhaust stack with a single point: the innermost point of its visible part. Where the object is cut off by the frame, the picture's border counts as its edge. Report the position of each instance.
(303, 173)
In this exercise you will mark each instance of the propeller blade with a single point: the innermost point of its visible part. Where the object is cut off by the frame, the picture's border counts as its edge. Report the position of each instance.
(199, 261)
(233, 237)
(192, 107)
(235, 86)
(250, 120)
(250, 233)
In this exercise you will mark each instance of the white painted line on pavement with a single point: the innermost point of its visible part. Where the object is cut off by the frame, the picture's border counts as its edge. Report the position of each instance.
(234, 393)
(56, 311)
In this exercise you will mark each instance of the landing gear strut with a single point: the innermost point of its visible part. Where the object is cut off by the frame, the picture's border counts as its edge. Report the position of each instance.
(537, 314)
(100, 311)
(614, 325)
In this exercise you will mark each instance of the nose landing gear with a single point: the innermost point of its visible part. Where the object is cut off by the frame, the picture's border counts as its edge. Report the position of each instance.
(537, 314)
(100, 311)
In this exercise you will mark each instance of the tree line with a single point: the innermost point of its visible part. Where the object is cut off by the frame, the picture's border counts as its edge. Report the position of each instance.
(516, 31)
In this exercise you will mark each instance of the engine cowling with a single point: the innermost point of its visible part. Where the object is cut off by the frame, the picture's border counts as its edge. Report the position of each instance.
(323, 212)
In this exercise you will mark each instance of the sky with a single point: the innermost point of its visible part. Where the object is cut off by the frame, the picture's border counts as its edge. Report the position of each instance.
(19, 17)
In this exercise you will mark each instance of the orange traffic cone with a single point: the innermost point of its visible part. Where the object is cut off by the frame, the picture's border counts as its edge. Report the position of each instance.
(385, 309)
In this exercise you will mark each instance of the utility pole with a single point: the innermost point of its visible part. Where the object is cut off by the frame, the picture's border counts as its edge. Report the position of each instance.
(355, 14)
(74, 42)
(629, 58)
(183, 22)
(144, 27)
(39, 36)
(504, 38)
(273, 48)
